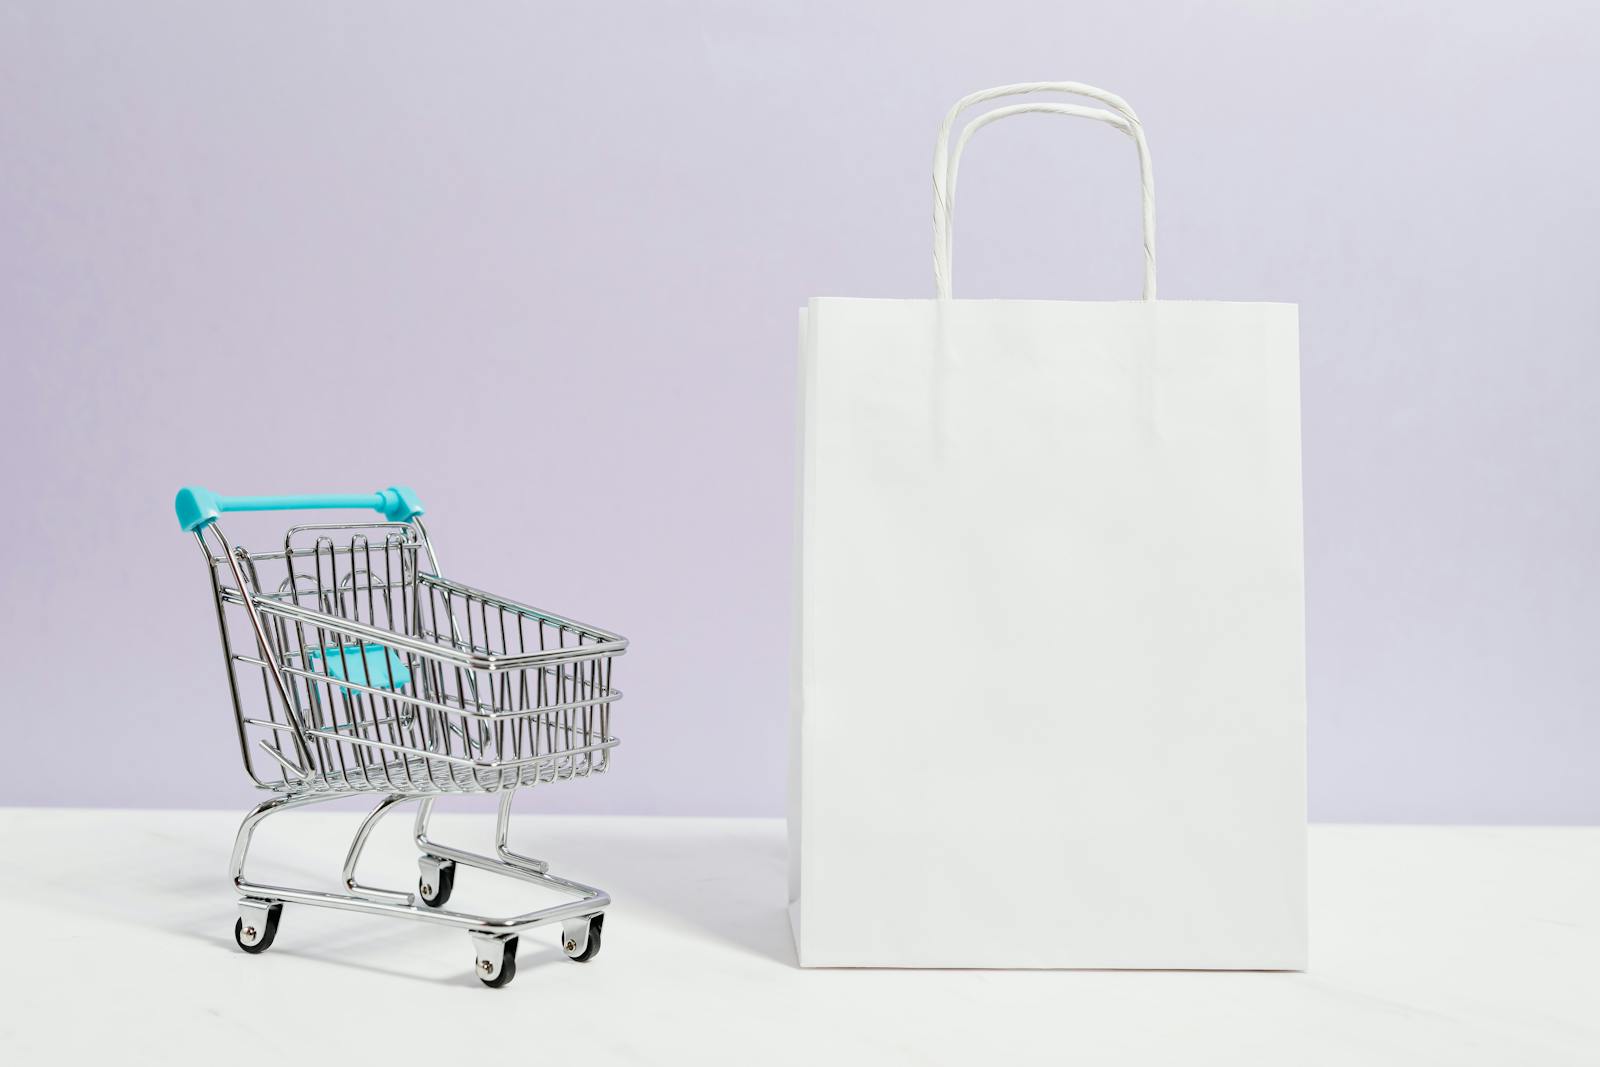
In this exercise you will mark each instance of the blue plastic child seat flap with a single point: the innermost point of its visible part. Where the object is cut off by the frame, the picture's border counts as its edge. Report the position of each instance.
(376, 666)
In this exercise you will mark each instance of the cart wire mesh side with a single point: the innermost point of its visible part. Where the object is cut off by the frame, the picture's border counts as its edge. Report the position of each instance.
(355, 667)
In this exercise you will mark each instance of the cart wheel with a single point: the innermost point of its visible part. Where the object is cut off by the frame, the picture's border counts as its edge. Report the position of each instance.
(435, 889)
(592, 949)
(508, 965)
(254, 940)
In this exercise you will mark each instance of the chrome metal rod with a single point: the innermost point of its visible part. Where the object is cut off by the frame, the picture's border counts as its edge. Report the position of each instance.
(247, 828)
(502, 836)
(359, 843)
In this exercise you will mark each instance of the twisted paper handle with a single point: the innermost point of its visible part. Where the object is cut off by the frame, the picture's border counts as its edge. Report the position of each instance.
(946, 164)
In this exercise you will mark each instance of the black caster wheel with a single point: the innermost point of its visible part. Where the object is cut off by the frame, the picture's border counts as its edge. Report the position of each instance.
(592, 949)
(508, 966)
(255, 939)
(434, 891)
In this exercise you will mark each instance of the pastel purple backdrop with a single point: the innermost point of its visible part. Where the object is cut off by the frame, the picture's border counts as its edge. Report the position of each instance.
(542, 261)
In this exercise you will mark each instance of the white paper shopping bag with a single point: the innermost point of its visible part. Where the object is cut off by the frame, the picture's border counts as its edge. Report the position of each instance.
(1049, 670)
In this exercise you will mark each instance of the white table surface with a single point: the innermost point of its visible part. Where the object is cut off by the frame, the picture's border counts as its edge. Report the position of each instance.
(1429, 945)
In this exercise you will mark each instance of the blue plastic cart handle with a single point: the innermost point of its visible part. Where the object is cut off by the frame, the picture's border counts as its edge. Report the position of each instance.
(199, 507)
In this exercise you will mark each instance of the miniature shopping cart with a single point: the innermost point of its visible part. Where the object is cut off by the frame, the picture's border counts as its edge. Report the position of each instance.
(356, 667)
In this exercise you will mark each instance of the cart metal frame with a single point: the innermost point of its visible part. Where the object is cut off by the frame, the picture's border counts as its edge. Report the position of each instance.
(379, 676)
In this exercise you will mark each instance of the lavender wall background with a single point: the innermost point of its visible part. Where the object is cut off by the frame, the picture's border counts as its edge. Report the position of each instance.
(541, 261)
